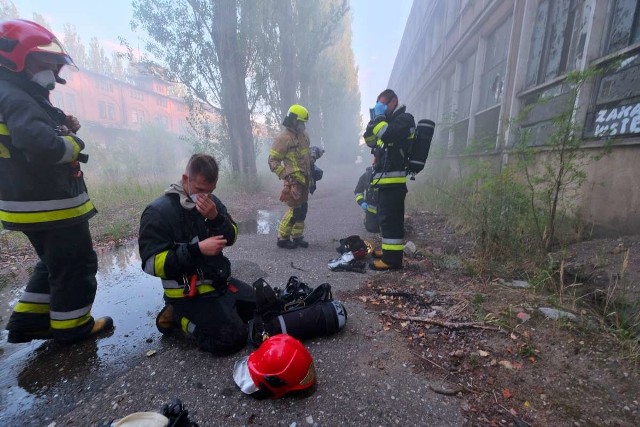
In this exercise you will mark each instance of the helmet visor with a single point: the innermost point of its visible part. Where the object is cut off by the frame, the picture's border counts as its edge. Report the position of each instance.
(53, 53)
(242, 377)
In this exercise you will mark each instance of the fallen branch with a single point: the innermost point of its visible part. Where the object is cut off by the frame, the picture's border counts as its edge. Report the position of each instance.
(297, 268)
(447, 391)
(448, 325)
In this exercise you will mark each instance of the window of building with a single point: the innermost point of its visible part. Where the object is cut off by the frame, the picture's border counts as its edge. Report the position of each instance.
(137, 95)
(137, 116)
(495, 66)
(557, 41)
(106, 110)
(162, 102)
(466, 86)
(104, 85)
(624, 25)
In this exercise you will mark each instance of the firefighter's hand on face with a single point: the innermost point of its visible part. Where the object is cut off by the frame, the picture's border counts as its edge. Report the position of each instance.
(213, 245)
(206, 206)
(72, 123)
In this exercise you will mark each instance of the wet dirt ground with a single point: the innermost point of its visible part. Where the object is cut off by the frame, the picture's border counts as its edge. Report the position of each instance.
(366, 376)
(382, 369)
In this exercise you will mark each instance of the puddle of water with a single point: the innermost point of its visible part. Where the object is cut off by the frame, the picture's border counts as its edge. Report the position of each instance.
(39, 371)
(263, 222)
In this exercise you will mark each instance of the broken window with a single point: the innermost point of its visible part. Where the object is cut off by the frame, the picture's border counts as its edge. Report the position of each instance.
(557, 41)
(495, 66)
(623, 27)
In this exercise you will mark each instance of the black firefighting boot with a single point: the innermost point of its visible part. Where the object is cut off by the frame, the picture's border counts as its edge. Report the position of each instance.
(165, 321)
(286, 243)
(16, 337)
(299, 241)
(101, 324)
(380, 265)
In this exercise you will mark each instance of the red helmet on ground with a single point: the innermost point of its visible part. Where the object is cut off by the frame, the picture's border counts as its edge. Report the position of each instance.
(20, 38)
(281, 365)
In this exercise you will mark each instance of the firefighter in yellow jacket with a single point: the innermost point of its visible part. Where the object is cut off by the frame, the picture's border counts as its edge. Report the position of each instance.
(42, 190)
(290, 159)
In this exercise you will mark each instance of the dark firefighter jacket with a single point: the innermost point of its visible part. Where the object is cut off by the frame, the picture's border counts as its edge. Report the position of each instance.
(389, 138)
(39, 188)
(365, 193)
(168, 244)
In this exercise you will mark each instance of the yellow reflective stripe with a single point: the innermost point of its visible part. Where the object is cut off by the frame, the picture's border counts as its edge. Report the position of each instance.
(372, 209)
(370, 138)
(158, 264)
(390, 247)
(74, 145)
(179, 293)
(71, 323)
(276, 155)
(380, 127)
(291, 156)
(184, 324)
(278, 170)
(4, 151)
(392, 180)
(359, 197)
(37, 217)
(30, 307)
(235, 233)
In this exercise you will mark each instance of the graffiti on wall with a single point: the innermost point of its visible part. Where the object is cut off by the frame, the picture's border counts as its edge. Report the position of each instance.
(623, 120)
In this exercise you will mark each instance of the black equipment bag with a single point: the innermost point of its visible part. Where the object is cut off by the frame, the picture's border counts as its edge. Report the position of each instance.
(419, 150)
(296, 310)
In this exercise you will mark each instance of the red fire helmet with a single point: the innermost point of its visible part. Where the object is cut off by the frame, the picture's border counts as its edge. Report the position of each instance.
(20, 38)
(280, 365)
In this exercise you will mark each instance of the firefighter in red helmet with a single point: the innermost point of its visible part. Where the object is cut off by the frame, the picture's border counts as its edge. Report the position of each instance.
(42, 189)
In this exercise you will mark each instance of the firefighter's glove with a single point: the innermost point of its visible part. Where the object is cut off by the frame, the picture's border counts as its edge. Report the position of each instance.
(364, 206)
(285, 195)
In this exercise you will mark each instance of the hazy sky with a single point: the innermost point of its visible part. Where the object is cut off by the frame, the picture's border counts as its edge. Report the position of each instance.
(377, 30)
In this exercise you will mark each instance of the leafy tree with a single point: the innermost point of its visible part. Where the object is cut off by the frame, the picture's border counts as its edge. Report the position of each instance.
(73, 44)
(339, 98)
(207, 46)
(97, 60)
(556, 171)
(40, 19)
(8, 10)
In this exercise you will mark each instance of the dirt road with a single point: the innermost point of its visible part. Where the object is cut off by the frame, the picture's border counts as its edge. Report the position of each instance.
(366, 374)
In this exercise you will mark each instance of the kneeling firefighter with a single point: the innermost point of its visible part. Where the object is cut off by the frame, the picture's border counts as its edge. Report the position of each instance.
(290, 159)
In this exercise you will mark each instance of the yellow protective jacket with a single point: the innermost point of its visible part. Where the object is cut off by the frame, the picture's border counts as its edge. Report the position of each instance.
(289, 155)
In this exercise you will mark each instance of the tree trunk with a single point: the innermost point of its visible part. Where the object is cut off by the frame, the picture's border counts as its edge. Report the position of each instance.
(288, 62)
(234, 91)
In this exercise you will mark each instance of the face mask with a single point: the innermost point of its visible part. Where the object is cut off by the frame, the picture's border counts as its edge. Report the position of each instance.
(194, 197)
(300, 127)
(45, 78)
